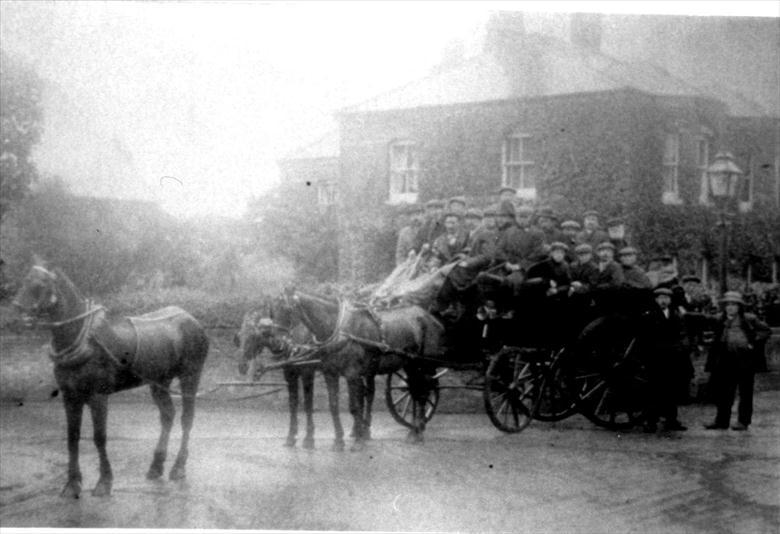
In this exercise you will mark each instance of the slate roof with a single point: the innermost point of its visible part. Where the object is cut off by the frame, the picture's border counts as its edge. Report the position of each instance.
(551, 67)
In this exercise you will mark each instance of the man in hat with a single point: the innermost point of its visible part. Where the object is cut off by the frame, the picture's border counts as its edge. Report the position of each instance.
(457, 205)
(634, 276)
(616, 230)
(407, 235)
(736, 354)
(610, 273)
(693, 299)
(569, 229)
(482, 240)
(546, 291)
(668, 365)
(519, 245)
(584, 271)
(451, 244)
(553, 270)
(547, 222)
(433, 225)
(591, 233)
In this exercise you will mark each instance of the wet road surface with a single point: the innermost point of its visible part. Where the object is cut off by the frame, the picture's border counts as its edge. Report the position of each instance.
(568, 476)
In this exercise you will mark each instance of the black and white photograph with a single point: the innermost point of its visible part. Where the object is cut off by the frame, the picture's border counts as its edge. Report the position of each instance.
(390, 266)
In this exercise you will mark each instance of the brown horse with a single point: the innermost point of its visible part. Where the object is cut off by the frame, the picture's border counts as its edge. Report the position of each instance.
(263, 328)
(93, 359)
(359, 343)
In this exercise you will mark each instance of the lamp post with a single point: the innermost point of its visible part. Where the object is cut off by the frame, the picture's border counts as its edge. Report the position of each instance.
(723, 177)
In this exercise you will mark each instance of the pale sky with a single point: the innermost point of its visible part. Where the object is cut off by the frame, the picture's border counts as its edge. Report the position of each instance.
(213, 94)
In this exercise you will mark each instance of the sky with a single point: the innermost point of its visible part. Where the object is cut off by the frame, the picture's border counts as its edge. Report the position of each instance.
(191, 104)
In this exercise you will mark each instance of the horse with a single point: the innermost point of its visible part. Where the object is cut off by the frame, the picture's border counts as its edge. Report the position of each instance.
(359, 343)
(277, 332)
(94, 358)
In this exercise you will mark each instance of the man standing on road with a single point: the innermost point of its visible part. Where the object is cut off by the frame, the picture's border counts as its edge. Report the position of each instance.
(668, 366)
(736, 354)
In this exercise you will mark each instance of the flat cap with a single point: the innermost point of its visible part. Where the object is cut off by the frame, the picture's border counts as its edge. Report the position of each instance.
(491, 211)
(626, 251)
(546, 211)
(591, 213)
(662, 291)
(615, 221)
(691, 278)
(559, 245)
(507, 188)
(525, 210)
(451, 213)
(474, 213)
(434, 203)
(458, 199)
(605, 244)
(732, 296)
(571, 224)
(583, 248)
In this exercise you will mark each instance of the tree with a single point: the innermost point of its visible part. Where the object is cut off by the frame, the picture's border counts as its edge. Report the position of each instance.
(21, 125)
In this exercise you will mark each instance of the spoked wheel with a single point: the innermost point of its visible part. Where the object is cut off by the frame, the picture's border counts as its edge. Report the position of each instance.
(509, 391)
(555, 400)
(608, 379)
(399, 398)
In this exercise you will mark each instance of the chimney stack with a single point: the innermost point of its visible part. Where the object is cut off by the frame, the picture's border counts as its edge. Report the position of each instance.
(505, 33)
(586, 30)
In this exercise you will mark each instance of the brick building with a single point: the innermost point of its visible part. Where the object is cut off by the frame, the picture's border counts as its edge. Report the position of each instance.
(564, 123)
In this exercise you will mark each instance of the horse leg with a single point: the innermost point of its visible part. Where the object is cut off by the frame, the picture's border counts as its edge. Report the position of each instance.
(307, 378)
(74, 407)
(418, 394)
(189, 390)
(332, 382)
(98, 405)
(291, 378)
(370, 390)
(356, 403)
(167, 412)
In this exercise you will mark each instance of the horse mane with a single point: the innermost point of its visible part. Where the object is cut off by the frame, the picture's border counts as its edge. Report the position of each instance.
(68, 283)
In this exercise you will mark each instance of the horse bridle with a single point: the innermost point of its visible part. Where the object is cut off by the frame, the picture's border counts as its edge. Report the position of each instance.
(337, 331)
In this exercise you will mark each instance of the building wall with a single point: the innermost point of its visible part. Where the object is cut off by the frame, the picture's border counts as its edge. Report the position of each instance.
(592, 151)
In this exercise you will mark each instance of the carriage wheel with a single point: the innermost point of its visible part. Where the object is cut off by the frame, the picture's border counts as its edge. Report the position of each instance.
(608, 379)
(555, 400)
(399, 399)
(509, 392)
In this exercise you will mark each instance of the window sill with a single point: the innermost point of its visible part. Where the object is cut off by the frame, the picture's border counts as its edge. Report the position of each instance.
(402, 198)
(671, 199)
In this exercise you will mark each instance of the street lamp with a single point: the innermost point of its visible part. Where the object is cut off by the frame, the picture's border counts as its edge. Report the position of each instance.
(724, 178)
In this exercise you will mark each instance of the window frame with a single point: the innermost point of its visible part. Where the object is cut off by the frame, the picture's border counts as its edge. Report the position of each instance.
(407, 175)
(523, 191)
(701, 167)
(327, 193)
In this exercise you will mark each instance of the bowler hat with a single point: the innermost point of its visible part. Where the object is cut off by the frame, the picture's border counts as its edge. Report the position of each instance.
(662, 291)
(583, 248)
(691, 278)
(605, 244)
(507, 208)
(732, 296)
(571, 224)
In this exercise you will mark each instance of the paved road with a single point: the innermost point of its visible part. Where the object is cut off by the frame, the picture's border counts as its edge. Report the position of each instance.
(568, 476)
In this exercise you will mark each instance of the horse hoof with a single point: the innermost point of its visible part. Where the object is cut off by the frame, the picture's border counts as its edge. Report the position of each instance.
(308, 443)
(367, 434)
(102, 489)
(154, 473)
(289, 442)
(338, 446)
(358, 446)
(177, 473)
(414, 438)
(72, 490)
